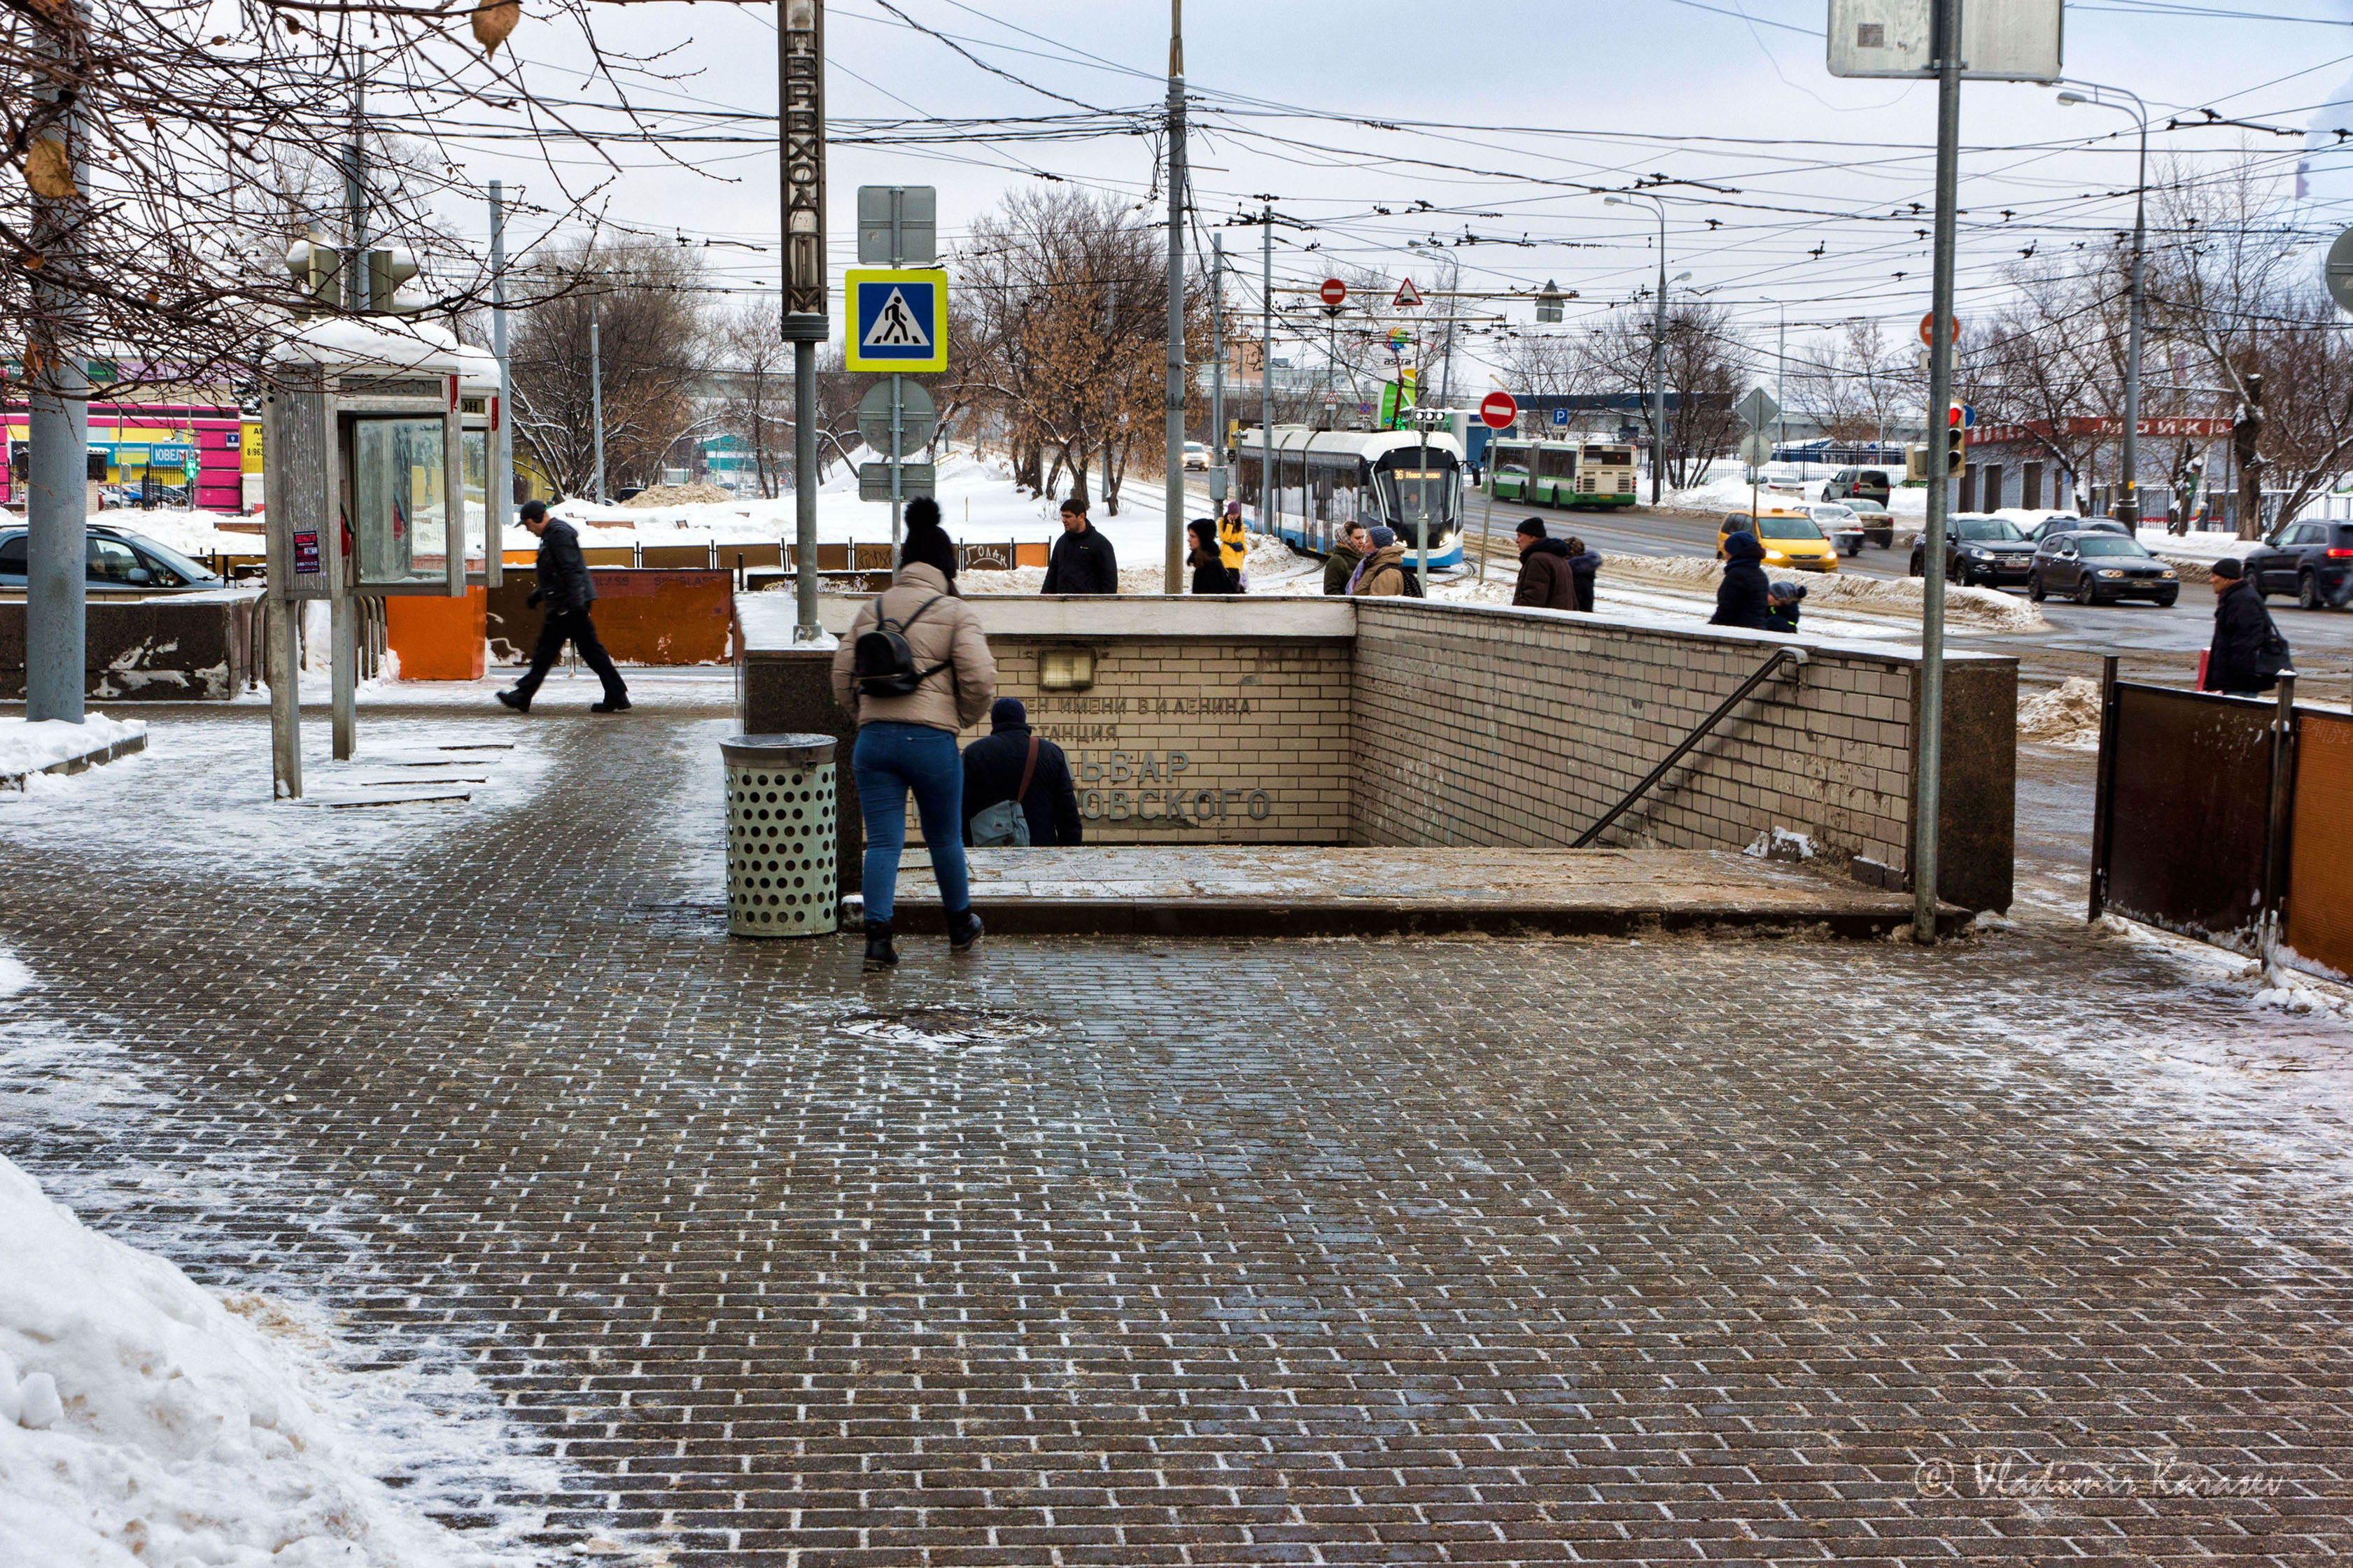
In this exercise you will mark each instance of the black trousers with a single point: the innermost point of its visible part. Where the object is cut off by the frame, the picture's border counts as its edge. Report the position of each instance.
(573, 626)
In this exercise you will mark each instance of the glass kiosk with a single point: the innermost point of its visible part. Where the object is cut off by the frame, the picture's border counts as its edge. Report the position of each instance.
(377, 482)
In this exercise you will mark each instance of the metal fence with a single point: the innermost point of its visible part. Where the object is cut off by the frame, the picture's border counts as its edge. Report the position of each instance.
(2200, 799)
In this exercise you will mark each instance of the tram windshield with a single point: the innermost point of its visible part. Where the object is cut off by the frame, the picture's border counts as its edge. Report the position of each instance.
(1410, 491)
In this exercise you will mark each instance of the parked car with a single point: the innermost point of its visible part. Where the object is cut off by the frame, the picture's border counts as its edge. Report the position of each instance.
(1197, 456)
(1979, 548)
(1790, 539)
(2095, 566)
(1878, 527)
(2054, 524)
(1871, 484)
(2314, 561)
(118, 561)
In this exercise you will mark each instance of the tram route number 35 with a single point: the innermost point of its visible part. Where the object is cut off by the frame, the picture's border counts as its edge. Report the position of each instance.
(1150, 786)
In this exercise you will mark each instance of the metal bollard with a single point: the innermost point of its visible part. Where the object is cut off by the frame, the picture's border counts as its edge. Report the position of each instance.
(781, 877)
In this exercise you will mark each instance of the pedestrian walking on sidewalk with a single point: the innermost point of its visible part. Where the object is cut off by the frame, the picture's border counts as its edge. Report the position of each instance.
(1545, 581)
(2248, 652)
(1782, 600)
(1235, 544)
(1349, 553)
(914, 671)
(1084, 561)
(1743, 598)
(1382, 573)
(1017, 780)
(1584, 566)
(566, 591)
(1210, 572)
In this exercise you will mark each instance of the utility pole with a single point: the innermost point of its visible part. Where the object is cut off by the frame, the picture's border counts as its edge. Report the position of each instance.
(1453, 313)
(1110, 414)
(1175, 393)
(1269, 507)
(1658, 348)
(1217, 371)
(2126, 510)
(355, 267)
(898, 382)
(502, 478)
(800, 133)
(597, 398)
(1946, 22)
(1782, 385)
(57, 471)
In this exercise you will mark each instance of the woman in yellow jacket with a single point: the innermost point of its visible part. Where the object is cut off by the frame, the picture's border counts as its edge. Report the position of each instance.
(1233, 545)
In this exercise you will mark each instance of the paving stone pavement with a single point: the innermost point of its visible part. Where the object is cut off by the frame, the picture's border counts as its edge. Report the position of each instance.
(1130, 1252)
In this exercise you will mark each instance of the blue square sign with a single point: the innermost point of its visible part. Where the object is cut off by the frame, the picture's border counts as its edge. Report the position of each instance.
(897, 319)
(1560, 416)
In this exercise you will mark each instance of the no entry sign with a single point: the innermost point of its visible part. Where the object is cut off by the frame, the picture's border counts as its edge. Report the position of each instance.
(1499, 410)
(1335, 292)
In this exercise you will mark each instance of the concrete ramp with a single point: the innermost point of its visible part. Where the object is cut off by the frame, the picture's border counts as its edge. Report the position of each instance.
(1301, 891)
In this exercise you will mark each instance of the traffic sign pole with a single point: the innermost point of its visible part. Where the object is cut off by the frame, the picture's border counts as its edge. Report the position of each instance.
(1927, 794)
(897, 384)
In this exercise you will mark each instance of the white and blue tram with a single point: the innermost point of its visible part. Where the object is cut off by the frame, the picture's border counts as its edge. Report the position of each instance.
(1324, 479)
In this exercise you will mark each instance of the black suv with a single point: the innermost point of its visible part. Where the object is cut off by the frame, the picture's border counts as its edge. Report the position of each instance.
(1979, 548)
(117, 562)
(2094, 567)
(2314, 561)
(1871, 484)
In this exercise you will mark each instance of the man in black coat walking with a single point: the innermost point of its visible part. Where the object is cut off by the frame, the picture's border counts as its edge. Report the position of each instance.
(1743, 598)
(567, 591)
(1083, 560)
(992, 773)
(2238, 664)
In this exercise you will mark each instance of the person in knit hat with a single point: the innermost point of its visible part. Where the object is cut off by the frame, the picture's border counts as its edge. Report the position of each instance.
(927, 541)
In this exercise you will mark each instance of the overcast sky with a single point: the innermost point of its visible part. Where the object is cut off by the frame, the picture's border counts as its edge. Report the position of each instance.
(1515, 105)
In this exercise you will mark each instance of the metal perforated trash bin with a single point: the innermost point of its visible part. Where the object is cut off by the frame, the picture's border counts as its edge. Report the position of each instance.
(780, 835)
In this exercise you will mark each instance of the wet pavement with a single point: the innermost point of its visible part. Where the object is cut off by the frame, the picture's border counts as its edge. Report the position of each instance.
(1134, 1251)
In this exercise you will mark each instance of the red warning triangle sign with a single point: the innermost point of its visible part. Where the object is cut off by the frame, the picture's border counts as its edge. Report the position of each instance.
(1407, 296)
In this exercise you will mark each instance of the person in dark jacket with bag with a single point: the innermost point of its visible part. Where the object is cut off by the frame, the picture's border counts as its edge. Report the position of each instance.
(567, 591)
(1783, 608)
(1743, 598)
(1084, 561)
(993, 773)
(1584, 566)
(2248, 652)
(1545, 582)
(1207, 559)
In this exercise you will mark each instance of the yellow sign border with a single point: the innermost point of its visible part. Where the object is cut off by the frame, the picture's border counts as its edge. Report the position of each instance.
(850, 357)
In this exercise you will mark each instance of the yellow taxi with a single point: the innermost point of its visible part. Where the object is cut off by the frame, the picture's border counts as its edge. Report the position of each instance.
(1792, 540)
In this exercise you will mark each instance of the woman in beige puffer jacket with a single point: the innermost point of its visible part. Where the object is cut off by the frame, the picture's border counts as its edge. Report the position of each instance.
(909, 743)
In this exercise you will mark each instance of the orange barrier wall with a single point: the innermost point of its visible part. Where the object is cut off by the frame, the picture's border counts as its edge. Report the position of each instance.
(438, 638)
(645, 617)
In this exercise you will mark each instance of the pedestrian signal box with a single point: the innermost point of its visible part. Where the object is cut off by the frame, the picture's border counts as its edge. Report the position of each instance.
(1915, 460)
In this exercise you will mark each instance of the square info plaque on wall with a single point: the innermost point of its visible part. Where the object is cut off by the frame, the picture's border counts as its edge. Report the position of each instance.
(2001, 40)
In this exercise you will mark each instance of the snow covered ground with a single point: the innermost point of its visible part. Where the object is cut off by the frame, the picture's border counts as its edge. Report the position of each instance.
(28, 747)
(147, 1419)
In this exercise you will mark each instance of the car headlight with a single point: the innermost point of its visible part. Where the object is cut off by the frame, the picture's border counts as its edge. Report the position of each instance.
(2110, 572)
(1772, 556)
(2167, 574)
(1980, 554)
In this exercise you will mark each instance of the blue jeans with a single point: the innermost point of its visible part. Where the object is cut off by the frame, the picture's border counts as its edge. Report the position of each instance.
(888, 761)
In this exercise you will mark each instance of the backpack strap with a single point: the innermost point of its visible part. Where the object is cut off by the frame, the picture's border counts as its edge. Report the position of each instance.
(1027, 768)
(901, 627)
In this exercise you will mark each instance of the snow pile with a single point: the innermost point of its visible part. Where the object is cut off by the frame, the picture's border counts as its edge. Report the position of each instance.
(28, 747)
(1982, 609)
(1727, 490)
(141, 1419)
(2068, 715)
(1139, 580)
(1781, 844)
(678, 495)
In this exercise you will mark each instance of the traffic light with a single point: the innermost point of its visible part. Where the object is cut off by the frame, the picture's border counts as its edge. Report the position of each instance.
(1915, 462)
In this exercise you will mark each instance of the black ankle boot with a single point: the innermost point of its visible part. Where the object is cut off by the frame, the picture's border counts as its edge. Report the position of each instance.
(964, 930)
(879, 953)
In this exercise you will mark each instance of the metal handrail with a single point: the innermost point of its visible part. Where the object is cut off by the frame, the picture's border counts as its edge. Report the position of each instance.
(1792, 656)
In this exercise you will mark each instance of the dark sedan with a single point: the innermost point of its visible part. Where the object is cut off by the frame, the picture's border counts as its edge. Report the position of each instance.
(2314, 561)
(116, 560)
(1979, 548)
(2060, 523)
(2096, 568)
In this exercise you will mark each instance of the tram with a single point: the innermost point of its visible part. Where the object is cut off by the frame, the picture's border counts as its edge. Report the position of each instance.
(1325, 479)
(1576, 474)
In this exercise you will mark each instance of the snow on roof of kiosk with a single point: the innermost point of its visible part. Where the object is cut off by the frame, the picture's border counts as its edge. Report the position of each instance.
(409, 345)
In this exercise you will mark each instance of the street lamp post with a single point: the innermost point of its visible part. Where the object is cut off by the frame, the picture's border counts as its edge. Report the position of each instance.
(1657, 349)
(2128, 510)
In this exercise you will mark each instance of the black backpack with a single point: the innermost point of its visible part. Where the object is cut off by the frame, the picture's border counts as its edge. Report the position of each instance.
(1412, 581)
(883, 664)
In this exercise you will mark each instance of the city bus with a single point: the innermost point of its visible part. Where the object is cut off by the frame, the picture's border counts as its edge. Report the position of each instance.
(1384, 479)
(1562, 473)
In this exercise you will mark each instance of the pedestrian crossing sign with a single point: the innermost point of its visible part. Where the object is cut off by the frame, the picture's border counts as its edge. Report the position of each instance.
(897, 319)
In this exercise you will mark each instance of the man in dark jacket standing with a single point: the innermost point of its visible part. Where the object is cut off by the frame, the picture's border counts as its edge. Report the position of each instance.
(993, 769)
(1083, 560)
(1743, 598)
(566, 588)
(2236, 664)
(1545, 581)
